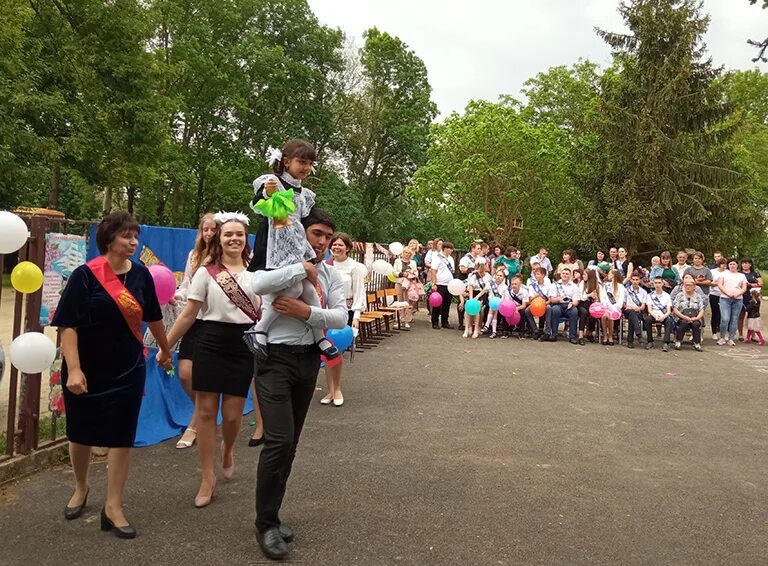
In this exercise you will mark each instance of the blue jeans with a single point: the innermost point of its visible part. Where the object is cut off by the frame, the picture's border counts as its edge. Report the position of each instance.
(572, 314)
(729, 316)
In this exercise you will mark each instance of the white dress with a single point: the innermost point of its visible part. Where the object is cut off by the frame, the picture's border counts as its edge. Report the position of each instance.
(288, 244)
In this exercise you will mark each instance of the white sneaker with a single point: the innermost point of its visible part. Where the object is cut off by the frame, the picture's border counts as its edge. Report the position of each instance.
(677, 345)
(475, 335)
(465, 335)
(722, 342)
(407, 325)
(731, 343)
(716, 336)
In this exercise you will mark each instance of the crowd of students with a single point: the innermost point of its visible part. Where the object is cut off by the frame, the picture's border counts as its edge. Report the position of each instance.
(663, 300)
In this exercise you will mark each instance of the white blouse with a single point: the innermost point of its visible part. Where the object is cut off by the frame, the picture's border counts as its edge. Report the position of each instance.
(353, 274)
(216, 305)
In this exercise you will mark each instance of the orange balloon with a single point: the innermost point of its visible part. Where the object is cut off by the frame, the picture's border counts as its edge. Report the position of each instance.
(538, 306)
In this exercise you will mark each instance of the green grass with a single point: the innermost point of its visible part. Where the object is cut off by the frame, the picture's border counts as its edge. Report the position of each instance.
(45, 431)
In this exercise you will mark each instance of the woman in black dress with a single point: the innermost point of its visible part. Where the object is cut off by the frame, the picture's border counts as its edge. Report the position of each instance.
(100, 317)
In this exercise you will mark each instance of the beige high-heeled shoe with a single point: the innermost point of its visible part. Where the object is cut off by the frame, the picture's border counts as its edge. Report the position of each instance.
(204, 500)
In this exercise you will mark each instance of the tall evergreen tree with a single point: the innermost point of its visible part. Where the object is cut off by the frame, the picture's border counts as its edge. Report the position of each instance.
(668, 179)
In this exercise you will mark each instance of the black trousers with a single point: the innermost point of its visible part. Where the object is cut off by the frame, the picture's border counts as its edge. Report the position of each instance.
(285, 384)
(695, 327)
(668, 324)
(635, 319)
(440, 314)
(714, 305)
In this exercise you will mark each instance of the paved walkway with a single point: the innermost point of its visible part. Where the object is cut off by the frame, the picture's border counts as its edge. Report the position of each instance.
(454, 451)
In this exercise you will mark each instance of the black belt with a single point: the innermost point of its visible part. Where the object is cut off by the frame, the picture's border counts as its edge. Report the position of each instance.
(294, 349)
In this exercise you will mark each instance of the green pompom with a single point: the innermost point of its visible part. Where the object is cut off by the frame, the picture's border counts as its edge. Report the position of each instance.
(280, 205)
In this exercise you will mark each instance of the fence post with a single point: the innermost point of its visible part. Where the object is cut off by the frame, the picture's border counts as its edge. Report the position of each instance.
(29, 415)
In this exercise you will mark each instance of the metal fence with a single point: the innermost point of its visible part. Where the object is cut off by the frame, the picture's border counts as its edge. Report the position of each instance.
(22, 430)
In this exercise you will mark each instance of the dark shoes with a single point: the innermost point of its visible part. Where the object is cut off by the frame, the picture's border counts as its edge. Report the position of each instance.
(449, 327)
(286, 532)
(128, 531)
(273, 544)
(574, 341)
(665, 347)
(649, 346)
(436, 327)
(74, 512)
(256, 441)
(630, 345)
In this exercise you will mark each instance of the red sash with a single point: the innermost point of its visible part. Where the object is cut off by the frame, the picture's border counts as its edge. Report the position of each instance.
(126, 303)
(232, 290)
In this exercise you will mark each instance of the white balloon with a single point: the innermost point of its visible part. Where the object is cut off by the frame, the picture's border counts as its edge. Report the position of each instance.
(13, 232)
(456, 287)
(382, 267)
(32, 352)
(396, 248)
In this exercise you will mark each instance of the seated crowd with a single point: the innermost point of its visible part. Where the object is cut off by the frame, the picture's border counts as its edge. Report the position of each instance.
(594, 301)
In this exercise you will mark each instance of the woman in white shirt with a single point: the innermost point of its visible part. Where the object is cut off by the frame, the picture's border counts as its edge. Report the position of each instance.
(612, 296)
(714, 296)
(409, 287)
(223, 365)
(353, 274)
(195, 259)
(732, 285)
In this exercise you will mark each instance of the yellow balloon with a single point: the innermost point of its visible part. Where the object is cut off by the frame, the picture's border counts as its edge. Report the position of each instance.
(392, 277)
(26, 277)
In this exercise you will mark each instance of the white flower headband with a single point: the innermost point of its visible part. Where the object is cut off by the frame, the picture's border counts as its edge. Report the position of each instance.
(275, 155)
(223, 217)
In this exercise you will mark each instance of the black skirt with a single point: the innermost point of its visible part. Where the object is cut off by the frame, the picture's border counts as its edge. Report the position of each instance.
(222, 362)
(188, 341)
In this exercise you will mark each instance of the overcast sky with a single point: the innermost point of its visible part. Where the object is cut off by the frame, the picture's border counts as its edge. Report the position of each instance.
(495, 48)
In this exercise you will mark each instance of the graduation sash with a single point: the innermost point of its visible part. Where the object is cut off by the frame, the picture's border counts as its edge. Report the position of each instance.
(536, 288)
(608, 292)
(494, 288)
(634, 296)
(232, 290)
(129, 307)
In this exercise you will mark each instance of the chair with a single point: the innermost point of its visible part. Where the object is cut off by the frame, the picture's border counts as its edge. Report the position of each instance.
(382, 299)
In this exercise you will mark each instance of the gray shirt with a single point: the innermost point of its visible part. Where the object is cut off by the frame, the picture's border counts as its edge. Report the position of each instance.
(696, 271)
(293, 331)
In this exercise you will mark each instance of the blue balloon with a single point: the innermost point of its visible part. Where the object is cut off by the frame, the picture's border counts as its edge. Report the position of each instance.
(342, 338)
(494, 303)
(472, 307)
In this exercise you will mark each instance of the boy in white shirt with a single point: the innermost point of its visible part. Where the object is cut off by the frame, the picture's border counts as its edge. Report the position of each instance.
(521, 297)
(635, 306)
(563, 297)
(659, 311)
(539, 287)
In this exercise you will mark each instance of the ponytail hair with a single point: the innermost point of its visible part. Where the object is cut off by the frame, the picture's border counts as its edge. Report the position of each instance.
(294, 148)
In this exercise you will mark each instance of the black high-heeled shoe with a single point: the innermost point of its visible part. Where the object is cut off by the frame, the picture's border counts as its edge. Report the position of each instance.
(127, 531)
(256, 441)
(74, 512)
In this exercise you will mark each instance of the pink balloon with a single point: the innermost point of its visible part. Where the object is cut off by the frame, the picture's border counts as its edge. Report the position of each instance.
(514, 317)
(597, 310)
(435, 299)
(165, 283)
(507, 307)
(614, 313)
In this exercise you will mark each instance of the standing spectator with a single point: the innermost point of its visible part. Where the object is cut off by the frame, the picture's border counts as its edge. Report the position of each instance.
(598, 259)
(660, 312)
(352, 274)
(542, 259)
(635, 309)
(682, 264)
(688, 306)
(668, 273)
(754, 326)
(496, 252)
(733, 285)
(99, 317)
(717, 256)
(510, 263)
(754, 280)
(569, 262)
(624, 265)
(466, 266)
(441, 274)
(701, 273)
(714, 297)
(222, 368)
(612, 295)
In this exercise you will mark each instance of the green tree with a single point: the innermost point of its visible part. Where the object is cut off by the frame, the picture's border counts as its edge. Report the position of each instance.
(490, 171)
(385, 132)
(669, 179)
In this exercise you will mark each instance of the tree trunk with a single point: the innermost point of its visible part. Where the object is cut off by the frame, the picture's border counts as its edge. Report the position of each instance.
(107, 200)
(53, 194)
(200, 195)
(131, 191)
